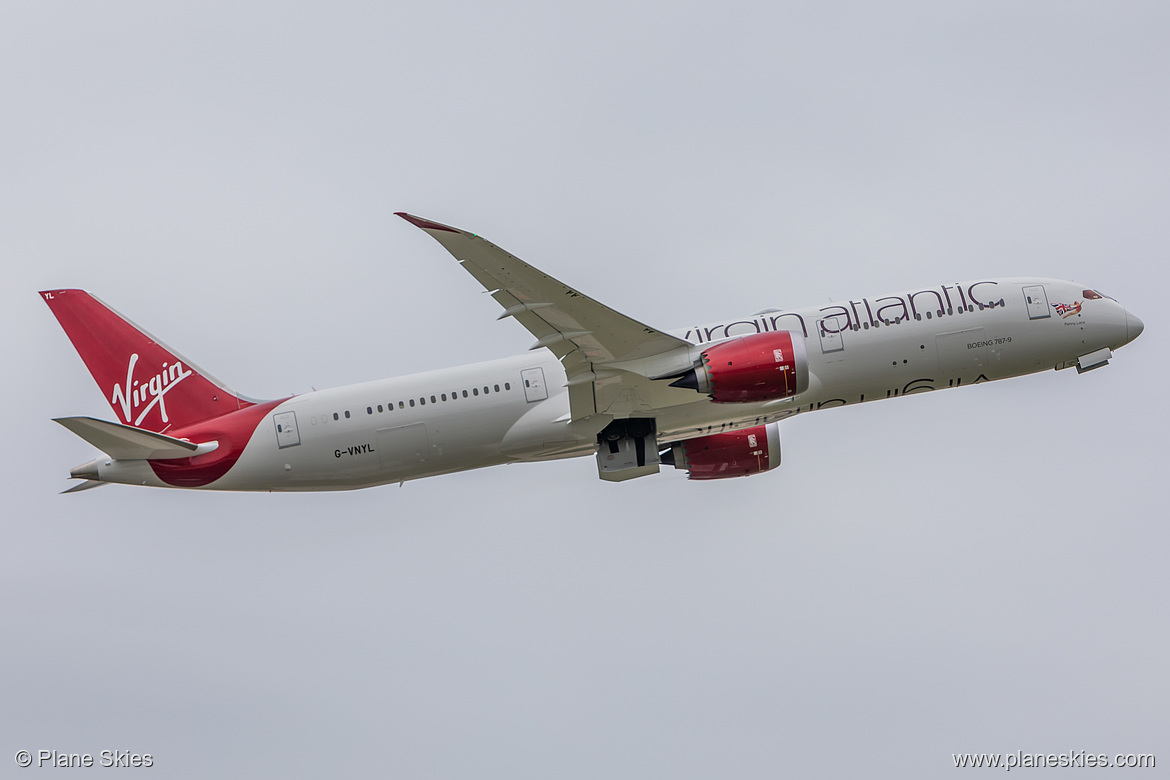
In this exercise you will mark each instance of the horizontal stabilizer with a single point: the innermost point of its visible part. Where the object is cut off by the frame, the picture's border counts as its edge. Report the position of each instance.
(88, 484)
(123, 442)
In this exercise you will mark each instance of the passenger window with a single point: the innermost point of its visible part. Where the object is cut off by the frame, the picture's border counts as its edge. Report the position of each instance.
(369, 410)
(411, 403)
(497, 388)
(402, 405)
(485, 390)
(507, 386)
(444, 396)
(422, 402)
(335, 416)
(379, 408)
(464, 393)
(433, 399)
(475, 391)
(347, 414)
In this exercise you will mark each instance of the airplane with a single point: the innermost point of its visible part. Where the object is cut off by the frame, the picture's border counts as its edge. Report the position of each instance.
(707, 399)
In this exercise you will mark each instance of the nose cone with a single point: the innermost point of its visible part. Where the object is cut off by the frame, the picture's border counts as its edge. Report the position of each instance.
(1133, 327)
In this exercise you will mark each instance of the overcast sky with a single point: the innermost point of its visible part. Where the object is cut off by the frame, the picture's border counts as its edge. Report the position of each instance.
(980, 570)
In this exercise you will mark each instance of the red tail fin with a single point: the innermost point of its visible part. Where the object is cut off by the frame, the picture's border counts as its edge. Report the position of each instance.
(148, 385)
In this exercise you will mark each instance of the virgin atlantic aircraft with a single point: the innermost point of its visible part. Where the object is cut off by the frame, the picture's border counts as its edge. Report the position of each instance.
(595, 382)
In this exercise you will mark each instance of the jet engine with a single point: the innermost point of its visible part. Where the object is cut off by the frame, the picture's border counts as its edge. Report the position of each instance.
(759, 367)
(720, 455)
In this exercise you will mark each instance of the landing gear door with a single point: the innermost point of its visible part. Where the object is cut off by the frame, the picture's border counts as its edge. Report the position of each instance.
(534, 388)
(287, 434)
(1037, 302)
(830, 331)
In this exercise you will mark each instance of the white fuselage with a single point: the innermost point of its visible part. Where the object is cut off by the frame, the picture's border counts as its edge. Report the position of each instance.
(517, 408)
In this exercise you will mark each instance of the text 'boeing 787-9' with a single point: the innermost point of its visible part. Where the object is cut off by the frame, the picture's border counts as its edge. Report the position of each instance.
(595, 382)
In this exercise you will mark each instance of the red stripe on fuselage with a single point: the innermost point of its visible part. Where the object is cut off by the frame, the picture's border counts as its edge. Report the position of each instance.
(232, 431)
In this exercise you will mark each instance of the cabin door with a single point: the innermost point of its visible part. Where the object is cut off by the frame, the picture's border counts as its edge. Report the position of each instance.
(1037, 302)
(534, 388)
(830, 331)
(287, 434)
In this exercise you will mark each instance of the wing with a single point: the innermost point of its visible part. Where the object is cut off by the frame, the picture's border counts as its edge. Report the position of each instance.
(607, 356)
(562, 319)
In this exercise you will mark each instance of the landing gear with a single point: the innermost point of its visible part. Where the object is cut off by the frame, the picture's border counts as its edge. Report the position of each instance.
(627, 449)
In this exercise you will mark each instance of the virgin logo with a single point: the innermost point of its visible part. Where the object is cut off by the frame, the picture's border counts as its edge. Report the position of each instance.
(141, 397)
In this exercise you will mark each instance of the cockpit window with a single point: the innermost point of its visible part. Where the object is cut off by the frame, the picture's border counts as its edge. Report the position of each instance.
(1091, 295)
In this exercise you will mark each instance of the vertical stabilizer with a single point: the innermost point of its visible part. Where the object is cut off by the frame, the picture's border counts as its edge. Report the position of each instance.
(148, 385)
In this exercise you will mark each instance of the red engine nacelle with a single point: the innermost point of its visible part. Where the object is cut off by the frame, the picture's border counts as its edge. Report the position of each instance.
(722, 455)
(759, 367)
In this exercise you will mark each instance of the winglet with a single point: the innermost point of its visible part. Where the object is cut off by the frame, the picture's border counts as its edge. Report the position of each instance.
(425, 224)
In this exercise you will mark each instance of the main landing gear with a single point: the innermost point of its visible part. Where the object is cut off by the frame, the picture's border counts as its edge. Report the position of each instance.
(627, 449)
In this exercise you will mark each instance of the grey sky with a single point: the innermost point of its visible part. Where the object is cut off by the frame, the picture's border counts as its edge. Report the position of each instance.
(978, 570)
